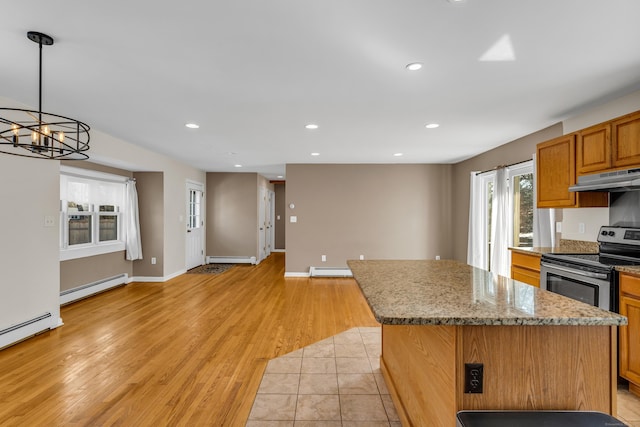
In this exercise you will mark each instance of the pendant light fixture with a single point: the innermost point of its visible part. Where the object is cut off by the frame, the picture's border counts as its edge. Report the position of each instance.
(41, 135)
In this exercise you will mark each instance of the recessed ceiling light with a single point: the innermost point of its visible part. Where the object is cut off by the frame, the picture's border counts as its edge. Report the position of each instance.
(398, 154)
(456, 1)
(414, 66)
(192, 126)
(315, 154)
(280, 176)
(311, 126)
(237, 166)
(432, 125)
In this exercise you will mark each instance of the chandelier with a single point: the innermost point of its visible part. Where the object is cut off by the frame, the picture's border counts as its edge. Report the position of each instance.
(41, 135)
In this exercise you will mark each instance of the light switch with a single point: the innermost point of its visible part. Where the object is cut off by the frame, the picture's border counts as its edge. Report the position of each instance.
(278, 217)
(49, 221)
(293, 218)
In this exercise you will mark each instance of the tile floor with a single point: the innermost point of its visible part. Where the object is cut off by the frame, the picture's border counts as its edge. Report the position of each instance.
(334, 382)
(337, 383)
(628, 407)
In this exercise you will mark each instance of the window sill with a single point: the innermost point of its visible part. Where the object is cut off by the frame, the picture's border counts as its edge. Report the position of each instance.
(87, 251)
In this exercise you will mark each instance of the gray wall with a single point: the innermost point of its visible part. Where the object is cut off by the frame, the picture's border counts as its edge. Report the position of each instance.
(280, 224)
(516, 151)
(150, 186)
(232, 214)
(379, 211)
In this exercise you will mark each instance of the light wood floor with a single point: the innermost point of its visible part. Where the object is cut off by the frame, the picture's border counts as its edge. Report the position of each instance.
(189, 352)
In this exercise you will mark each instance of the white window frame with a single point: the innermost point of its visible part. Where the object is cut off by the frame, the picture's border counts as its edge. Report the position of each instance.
(95, 247)
(523, 168)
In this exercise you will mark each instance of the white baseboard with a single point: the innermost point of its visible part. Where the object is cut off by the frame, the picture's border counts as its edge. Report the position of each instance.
(74, 294)
(21, 331)
(330, 272)
(294, 274)
(157, 279)
(211, 259)
(278, 250)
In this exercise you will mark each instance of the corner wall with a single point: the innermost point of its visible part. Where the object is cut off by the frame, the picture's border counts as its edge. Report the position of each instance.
(379, 211)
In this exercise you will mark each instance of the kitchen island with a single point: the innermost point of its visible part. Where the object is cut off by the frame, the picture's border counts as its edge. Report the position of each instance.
(456, 337)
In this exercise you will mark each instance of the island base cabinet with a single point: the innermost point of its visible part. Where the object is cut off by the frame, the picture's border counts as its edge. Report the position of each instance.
(524, 368)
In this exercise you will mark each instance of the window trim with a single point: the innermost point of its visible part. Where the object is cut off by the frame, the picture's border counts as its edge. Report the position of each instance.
(93, 248)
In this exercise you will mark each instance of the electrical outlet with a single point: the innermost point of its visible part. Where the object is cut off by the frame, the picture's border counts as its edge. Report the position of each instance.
(153, 260)
(361, 257)
(437, 257)
(324, 258)
(473, 377)
(581, 228)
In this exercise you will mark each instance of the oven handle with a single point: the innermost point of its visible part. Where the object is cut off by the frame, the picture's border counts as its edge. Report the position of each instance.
(575, 271)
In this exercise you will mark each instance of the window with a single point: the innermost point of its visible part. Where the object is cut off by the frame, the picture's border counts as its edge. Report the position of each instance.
(521, 184)
(91, 209)
(519, 214)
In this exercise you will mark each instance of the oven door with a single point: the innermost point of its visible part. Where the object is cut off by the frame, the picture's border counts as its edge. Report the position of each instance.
(591, 287)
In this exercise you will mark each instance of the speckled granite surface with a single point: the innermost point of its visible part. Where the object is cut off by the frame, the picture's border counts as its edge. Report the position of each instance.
(631, 269)
(446, 292)
(566, 247)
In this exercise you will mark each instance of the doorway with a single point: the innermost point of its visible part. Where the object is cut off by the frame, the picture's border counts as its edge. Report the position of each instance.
(194, 247)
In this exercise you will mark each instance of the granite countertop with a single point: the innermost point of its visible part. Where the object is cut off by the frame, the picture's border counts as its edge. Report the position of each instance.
(447, 292)
(566, 247)
(631, 269)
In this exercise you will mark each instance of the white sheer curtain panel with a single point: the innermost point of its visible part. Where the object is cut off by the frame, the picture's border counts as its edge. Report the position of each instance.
(499, 225)
(474, 243)
(133, 243)
(544, 220)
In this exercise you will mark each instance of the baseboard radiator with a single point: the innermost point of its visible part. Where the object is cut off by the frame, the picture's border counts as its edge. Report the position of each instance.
(71, 295)
(330, 272)
(21, 331)
(231, 260)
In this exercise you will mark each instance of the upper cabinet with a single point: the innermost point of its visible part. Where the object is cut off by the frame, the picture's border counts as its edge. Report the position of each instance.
(625, 141)
(609, 146)
(601, 148)
(556, 172)
(593, 149)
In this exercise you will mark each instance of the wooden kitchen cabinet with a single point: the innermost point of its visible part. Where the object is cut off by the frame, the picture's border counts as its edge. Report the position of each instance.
(625, 141)
(556, 172)
(629, 348)
(525, 267)
(593, 149)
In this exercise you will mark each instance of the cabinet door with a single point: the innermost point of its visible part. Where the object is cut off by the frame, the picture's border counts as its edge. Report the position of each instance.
(630, 334)
(593, 149)
(626, 141)
(556, 172)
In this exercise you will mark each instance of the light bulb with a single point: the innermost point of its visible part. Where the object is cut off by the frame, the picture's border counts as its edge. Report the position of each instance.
(16, 133)
(45, 130)
(61, 136)
(34, 136)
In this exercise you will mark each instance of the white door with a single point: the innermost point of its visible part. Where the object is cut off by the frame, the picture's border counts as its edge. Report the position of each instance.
(262, 225)
(271, 213)
(195, 225)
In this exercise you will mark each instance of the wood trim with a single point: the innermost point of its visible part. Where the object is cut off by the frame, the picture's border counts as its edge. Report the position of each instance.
(391, 386)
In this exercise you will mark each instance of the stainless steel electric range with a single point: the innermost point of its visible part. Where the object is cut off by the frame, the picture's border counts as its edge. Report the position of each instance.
(592, 278)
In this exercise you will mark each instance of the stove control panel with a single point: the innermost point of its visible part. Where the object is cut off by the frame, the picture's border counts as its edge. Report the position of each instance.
(623, 235)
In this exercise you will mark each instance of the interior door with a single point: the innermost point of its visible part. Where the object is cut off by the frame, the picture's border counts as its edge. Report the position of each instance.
(262, 225)
(195, 225)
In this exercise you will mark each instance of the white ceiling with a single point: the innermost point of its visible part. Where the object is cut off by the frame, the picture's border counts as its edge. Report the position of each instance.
(252, 73)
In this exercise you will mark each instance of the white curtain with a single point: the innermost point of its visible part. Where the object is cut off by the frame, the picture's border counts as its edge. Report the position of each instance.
(133, 243)
(544, 220)
(499, 225)
(475, 241)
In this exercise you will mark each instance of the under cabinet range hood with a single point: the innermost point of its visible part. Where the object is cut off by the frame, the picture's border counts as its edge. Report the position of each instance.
(623, 180)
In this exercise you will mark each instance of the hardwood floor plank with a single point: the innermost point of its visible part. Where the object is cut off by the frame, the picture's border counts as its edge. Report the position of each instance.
(190, 351)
